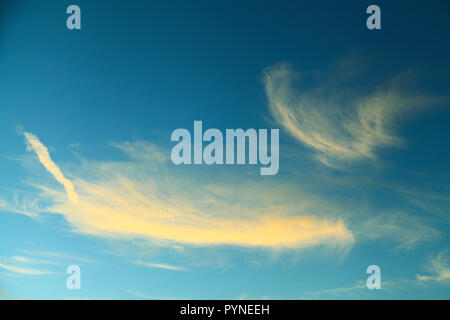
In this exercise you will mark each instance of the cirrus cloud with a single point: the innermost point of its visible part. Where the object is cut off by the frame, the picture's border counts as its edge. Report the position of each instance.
(119, 200)
(340, 126)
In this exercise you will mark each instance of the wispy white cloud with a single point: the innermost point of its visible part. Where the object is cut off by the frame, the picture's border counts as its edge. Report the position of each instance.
(28, 260)
(25, 205)
(245, 296)
(44, 157)
(359, 290)
(53, 257)
(438, 268)
(148, 297)
(161, 266)
(340, 126)
(406, 231)
(323, 294)
(33, 262)
(141, 150)
(139, 294)
(25, 271)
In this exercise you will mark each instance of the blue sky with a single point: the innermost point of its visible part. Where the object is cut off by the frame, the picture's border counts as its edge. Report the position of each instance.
(86, 177)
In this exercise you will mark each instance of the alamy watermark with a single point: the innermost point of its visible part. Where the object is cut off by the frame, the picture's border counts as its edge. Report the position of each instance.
(73, 22)
(374, 280)
(373, 22)
(74, 280)
(234, 152)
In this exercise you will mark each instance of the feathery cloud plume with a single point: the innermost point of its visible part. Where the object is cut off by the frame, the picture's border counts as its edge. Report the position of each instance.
(21, 205)
(120, 200)
(438, 268)
(405, 230)
(337, 125)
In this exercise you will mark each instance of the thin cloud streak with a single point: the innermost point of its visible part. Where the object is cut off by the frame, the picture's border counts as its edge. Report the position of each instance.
(25, 271)
(406, 231)
(58, 256)
(44, 157)
(23, 206)
(148, 297)
(321, 294)
(161, 266)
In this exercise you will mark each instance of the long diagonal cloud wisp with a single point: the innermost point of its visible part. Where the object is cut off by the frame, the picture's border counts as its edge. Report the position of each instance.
(44, 157)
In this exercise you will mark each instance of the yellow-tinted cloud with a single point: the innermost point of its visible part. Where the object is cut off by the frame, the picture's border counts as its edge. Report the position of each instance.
(117, 208)
(119, 200)
(44, 157)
